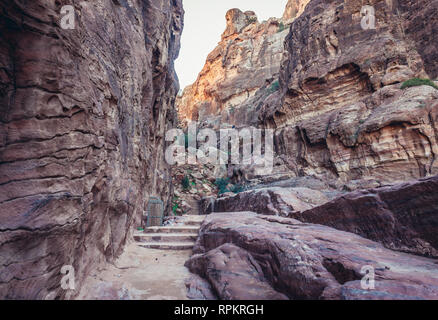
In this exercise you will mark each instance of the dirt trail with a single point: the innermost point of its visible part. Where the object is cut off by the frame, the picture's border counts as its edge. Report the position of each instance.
(140, 274)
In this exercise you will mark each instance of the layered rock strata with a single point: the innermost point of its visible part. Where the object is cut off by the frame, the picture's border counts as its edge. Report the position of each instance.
(83, 113)
(340, 112)
(269, 201)
(281, 258)
(402, 217)
(241, 72)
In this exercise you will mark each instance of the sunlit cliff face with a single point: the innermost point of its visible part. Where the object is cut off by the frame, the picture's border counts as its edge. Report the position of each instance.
(246, 60)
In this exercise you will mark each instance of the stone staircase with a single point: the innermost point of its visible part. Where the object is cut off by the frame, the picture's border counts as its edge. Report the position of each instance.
(181, 236)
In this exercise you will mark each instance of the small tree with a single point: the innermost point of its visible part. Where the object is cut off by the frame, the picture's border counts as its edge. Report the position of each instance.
(281, 27)
(185, 183)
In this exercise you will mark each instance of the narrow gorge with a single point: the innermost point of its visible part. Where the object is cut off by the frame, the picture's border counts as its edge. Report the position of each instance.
(88, 115)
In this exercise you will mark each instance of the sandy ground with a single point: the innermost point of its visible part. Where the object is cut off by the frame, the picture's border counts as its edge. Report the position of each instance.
(140, 274)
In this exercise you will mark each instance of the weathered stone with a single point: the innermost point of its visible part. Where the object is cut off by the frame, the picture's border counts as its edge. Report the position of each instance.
(241, 72)
(402, 217)
(199, 289)
(82, 116)
(340, 113)
(273, 201)
(305, 261)
(227, 268)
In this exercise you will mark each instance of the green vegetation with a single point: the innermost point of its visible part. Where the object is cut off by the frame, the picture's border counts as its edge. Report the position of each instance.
(237, 188)
(418, 82)
(281, 27)
(252, 19)
(274, 87)
(223, 183)
(185, 182)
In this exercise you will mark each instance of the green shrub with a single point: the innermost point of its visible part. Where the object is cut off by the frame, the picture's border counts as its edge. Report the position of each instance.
(174, 208)
(281, 27)
(237, 188)
(185, 183)
(415, 82)
(221, 184)
(274, 87)
(252, 19)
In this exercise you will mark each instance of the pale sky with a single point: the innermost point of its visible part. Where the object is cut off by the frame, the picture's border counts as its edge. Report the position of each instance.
(204, 22)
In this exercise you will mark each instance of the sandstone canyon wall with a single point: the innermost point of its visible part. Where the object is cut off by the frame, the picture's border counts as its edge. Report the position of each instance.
(344, 120)
(340, 112)
(82, 118)
(241, 72)
(332, 90)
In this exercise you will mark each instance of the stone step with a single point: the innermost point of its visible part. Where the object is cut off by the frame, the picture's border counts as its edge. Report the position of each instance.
(173, 229)
(167, 245)
(165, 237)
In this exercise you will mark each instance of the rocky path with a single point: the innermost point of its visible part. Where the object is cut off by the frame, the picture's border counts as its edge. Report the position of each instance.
(151, 268)
(140, 274)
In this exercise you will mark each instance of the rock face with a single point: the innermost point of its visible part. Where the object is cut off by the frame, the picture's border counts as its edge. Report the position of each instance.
(402, 217)
(294, 8)
(241, 72)
(234, 274)
(82, 118)
(281, 257)
(269, 201)
(340, 111)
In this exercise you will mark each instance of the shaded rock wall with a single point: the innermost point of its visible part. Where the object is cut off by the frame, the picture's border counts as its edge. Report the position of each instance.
(401, 217)
(82, 118)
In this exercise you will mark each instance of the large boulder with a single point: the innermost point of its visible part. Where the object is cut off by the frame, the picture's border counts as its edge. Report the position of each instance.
(402, 217)
(273, 201)
(275, 256)
(234, 273)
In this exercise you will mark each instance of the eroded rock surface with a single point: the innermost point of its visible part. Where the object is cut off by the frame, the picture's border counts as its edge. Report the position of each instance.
(338, 109)
(303, 261)
(82, 118)
(401, 217)
(234, 274)
(269, 201)
(340, 112)
(241, 72)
